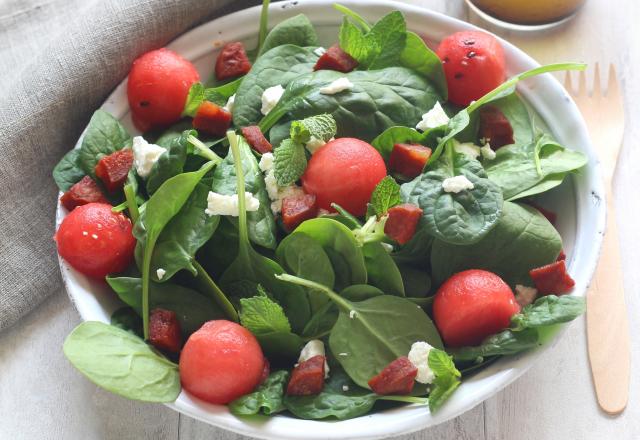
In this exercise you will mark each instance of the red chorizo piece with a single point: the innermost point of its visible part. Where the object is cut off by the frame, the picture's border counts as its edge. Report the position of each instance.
(561, 255)
(307, 379)
(409, 159)
(164, 330)
(495, 127)
(256, 139)
(295, 210)
(83, 192)
(232, 61)
(114, 168)
(402, 222)
(336, 59)
(212, 119)
(396, 378)
(552, 279)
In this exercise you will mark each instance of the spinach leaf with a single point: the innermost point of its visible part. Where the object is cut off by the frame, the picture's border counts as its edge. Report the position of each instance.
(321, 322)
(121, 363)
(170, 163)
(548, 310)
(163, 205)
(523, 239)
(183, 235)
(504, 343)
(516, 111)
(260, 223)
(68, 171)
(250, 268)
(267, 399)
(127, 319)
(518, 168)
(340, 246)
(457, 218)
(416, 55)
(417, 283)
(192, 308)
(382, 271)
(296, 30)
(104, 135)
(225, 237)
(378, 100)
(278, 66)
(385, 141)
(373, 332)
(360, 292)
(416, 252)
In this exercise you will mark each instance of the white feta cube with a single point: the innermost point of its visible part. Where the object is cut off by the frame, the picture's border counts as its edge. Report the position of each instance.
(419, 357)
(487, 152)
(433, 118)
(145, 155)
(468, 148)
(456, 184)
(270, 98)
(160, 273)
(266, 162)
(220, 204)
(339, 85)
(229, 105)
(313, 348)
(320, 51)
(314, 144)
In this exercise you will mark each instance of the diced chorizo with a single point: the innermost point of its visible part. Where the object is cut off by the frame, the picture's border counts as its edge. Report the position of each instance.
(297, 209)
(256, 139)
(402, 222)
(336, 59)
(409, 159)
(164, 330)
(83, 192)
(232, 61)
(307, 378)
(495, 128)
(396, 378)
(552, 279)
(114, 168)
(212, 119)
(561, 255)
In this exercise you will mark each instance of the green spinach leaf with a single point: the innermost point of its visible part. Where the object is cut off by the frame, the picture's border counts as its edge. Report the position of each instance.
(382, 271)
(127, 319)
(504, 343)
(296, 30)
(548, 310)
(416, 55)
(104, 135)
(385, 141)
(68, 171)
(267, 399)
(121, 363)
(170, 163)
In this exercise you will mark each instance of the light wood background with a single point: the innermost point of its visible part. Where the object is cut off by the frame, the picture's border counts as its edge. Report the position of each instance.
(43, 397)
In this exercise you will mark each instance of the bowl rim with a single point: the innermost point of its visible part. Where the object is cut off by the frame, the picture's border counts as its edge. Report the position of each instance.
(408, 418)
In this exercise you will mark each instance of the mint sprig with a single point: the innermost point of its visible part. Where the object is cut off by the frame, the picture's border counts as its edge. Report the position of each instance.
(386, 195)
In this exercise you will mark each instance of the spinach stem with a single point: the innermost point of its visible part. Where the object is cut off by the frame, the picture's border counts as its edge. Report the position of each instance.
(146, 265)
(344, 304)
(407, 399)
(212, 290)
(242, 208)
(119, 208)
(346, 11)
(132, 205)
(264, 23)
(203, 149)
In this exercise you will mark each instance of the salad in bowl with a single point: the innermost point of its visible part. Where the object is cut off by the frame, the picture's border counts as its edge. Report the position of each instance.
(317, 232)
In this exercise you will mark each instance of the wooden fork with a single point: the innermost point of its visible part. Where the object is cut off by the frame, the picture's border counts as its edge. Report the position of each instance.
(607, 321)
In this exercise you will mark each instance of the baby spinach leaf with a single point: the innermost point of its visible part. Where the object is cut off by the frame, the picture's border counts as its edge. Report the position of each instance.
(518, 168)
(121, 363)
(416, 55)
(379, 99)
(170, 163)
(192, 308)
(416, 252)
(250, 268)
(385, 195)
(104, 135)
(163, 205)
(548, 310)
(296, 30)
(457, 218)
(290, 161)
(68, 171)
(225, 237)
(341, 248)
(382, 271)
(504, 343)
(260, 223)
(373, 332)
(127, 319)
(516, 111)
(278, 66)
(360, 292)
(183, 235)
(417, 283)
(523, 239)
(267, 399)
(321, 322)
(447, 378)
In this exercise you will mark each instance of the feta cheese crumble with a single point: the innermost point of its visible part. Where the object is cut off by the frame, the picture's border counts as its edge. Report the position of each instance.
(433, 118)
(219, 204)
(339, 85)
(419, 357)
(320, 51)
(266, 162)
(525, 295)
(487, 152)
(343, 354)
(313, 348)
(160, 273)
(229, 105)
(145, 155)
(352, 314)
(276, 193)
(270, 98)
(456, 184)
(387, 247)
(345, 388)
(468, 148)
(314, 144)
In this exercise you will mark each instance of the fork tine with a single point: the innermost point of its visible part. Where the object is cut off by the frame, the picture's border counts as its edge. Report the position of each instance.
(567, 82)
(613, 89)
(582, 83)
(597, 92)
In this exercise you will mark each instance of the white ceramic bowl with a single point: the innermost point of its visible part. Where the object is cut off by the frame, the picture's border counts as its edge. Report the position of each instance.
(579, 202)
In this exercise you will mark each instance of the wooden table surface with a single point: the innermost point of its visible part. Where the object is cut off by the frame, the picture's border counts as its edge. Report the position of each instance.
(43, 397)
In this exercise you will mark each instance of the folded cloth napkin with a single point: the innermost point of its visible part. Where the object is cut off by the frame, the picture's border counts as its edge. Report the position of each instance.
(59, 60)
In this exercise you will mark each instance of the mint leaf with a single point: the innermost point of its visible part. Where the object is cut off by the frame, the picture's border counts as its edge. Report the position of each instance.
(198, 94)
(261, 315)
(385, 195)
(290, 161)
(321, 127)
(354, 42)
(447, 378)
(548, 310)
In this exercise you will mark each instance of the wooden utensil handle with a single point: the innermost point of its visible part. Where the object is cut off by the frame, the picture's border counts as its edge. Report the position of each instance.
(607, 323)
